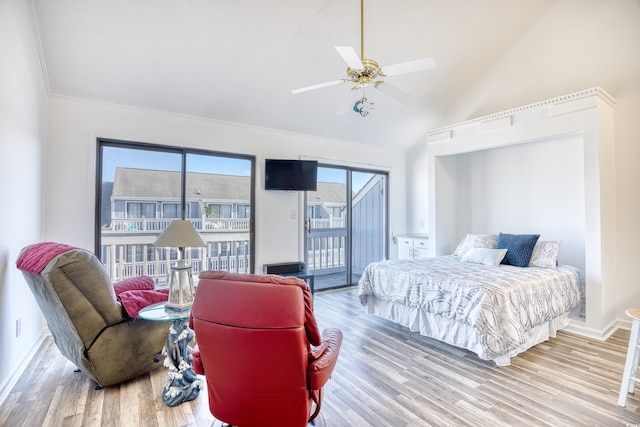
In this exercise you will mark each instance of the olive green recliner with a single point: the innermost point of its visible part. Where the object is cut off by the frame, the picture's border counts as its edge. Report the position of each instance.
(87, 322)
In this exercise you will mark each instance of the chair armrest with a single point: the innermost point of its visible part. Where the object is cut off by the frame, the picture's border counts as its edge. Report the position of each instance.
(196, 360)
(324, 358)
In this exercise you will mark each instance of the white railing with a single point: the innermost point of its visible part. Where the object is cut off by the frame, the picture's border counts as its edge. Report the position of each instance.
(141, 224)
(160, 224)
(327, 223)
(120, 268)
(226, 224)
(210, 224)
(326, 249)
(327, 259)
(161, 270)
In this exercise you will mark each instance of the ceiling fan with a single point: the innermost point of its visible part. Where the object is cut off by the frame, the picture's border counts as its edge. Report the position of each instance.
(365, 72)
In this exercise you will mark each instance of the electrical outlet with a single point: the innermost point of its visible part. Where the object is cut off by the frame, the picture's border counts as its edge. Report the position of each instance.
(294, 214)
(18, 327)
(422, 223)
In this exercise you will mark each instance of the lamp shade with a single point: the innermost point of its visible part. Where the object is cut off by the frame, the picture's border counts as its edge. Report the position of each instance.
(181, 234)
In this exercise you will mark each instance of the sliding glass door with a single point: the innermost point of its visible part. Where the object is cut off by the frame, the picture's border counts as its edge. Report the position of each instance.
(345, 224)
(141, 188)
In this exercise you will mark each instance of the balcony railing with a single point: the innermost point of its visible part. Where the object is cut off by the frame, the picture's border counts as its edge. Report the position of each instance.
(127, 251)
(121, 268)
(327, 223)
(160, 224)
(215, 224)
(326, 249)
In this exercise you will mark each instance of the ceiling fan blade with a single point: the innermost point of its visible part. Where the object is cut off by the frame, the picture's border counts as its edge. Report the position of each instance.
(350, 57)
(409, 67)
(393, 92)
(318, 86)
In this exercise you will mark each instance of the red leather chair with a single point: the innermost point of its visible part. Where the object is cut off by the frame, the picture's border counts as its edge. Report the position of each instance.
(260, 349)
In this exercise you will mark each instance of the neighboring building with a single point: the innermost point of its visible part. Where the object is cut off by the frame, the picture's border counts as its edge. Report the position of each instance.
(143, 202)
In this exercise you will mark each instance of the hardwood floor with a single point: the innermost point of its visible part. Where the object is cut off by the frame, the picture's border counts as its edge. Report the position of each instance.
(385, 376)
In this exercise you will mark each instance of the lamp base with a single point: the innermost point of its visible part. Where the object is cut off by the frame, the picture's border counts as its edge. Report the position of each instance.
(181, 289)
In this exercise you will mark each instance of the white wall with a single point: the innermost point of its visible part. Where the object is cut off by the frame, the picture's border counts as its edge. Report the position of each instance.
(521, 189)
(23, 108)
(574, 45)
(75, 123)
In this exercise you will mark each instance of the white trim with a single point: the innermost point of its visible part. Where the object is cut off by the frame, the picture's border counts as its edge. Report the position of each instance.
(39, 48)
(552, 101)
(14, 376)
(578, 327)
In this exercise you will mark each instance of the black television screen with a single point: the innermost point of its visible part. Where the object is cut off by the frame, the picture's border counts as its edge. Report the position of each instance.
(293, 175)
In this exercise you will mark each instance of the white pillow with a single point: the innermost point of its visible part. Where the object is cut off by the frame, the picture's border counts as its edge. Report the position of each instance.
(475, 241)
(484, 256)
(545, 254)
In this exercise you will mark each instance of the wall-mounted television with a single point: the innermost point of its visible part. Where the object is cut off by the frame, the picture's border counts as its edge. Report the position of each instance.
(292, 175)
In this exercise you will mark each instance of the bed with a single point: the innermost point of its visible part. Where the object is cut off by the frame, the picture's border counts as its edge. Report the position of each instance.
(473, 301)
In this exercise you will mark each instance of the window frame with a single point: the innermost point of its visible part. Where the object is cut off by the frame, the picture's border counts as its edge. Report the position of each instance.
(184, 206)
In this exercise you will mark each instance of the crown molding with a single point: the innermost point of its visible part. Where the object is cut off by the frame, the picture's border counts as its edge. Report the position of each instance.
(435, 134)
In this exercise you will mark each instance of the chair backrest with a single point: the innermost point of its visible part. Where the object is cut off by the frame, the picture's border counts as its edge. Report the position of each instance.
(77, 300)
(254, 346)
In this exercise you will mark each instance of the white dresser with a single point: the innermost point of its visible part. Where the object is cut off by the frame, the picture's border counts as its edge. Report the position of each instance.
(413, 246)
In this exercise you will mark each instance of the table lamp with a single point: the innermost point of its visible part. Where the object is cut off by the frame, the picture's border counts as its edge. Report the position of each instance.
(181, 234)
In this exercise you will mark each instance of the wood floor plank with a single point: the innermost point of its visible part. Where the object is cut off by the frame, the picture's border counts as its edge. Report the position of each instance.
(385, 376)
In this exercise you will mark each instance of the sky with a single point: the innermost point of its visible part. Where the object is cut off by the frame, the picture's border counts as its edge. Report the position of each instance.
(171, 161)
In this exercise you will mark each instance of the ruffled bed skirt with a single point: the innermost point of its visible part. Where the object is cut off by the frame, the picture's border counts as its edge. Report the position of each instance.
(456, 333)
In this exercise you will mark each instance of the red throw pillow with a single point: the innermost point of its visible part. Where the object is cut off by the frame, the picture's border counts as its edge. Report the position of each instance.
(135, 300)
(140, 282)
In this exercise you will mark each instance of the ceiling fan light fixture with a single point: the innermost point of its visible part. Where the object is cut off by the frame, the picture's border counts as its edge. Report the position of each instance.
(363, 106)
(362, 77)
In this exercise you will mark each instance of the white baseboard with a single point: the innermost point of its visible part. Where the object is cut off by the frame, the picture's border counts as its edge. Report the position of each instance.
(578, 327)
(12, 379)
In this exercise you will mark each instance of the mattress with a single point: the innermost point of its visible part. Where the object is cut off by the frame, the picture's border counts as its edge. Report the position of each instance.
(499, 306)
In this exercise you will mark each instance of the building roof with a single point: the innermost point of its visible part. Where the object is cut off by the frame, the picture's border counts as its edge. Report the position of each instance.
(145, 183)
(132, 183)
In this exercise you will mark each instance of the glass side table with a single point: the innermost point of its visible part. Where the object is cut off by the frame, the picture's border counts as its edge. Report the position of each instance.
(183, 383)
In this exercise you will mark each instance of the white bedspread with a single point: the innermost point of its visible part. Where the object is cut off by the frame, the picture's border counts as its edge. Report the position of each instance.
(501, 303)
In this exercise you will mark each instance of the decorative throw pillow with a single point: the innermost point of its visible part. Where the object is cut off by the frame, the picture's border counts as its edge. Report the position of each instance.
(484, 256)
(475, 241)
(545, 253)
(136, 299)
(519, 248)
(133, 283)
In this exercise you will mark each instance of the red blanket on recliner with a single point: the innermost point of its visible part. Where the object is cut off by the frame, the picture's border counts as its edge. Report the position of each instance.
(35, 258)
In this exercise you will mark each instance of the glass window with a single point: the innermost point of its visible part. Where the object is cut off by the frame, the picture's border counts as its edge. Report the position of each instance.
(171, 210)
(243, 211)
(218, 211)
(143, 187)
(141, 210)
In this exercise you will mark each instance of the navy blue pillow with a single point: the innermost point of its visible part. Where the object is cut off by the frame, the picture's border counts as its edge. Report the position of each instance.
(519, 248)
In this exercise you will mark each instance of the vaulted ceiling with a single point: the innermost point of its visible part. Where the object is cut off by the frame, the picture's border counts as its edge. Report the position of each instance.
(238, 60)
